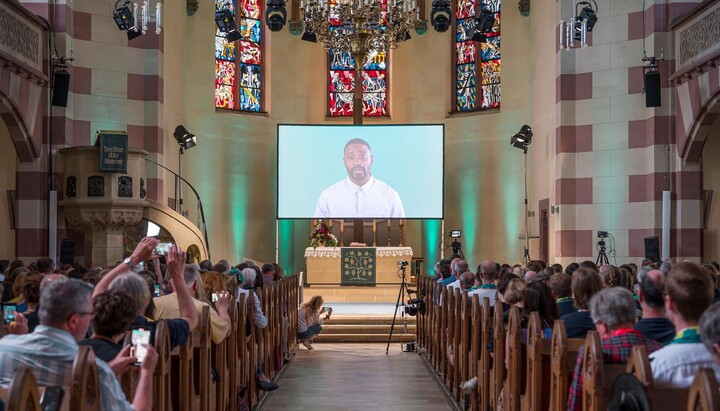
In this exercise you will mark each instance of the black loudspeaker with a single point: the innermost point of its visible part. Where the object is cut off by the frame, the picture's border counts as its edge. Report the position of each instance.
(652, 249)
(652, 89)
(67, 251)
(61, 85)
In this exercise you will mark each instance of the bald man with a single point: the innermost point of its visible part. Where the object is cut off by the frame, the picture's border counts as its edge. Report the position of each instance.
(487, 272)
(654, 324)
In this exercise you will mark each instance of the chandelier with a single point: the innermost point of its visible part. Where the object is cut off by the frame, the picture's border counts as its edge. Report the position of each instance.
(359, 27)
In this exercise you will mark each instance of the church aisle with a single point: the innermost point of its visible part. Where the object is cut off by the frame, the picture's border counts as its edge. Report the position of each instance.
(349, 377)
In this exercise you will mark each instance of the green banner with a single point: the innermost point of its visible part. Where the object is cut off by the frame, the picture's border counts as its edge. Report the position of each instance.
(113, 152)
(358, 266)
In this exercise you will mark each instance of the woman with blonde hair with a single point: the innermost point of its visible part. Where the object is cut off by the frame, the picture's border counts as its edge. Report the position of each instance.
(309, 322)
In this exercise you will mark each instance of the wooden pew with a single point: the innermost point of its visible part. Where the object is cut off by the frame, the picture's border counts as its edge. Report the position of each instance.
(233, 358)
(498, 363)
(475, 347)
(660, 398)
(704, 393)
(202, 360)
(161, 376)
(597, 376)
(536, 396)
(85, 389)
(184, 398)
(564, 354)
(23, 393)
(515, 369)
(484, 372)
(458, 348)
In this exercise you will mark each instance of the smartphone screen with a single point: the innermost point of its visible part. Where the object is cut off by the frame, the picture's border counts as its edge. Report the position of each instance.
(157, 290)
(51, 399)
(162, 248)
(9, 312)
(140, 339)
(214, 297)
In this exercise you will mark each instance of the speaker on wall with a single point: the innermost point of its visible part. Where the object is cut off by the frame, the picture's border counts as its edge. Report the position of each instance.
(652, 248)
(67, 251)
(652, 89)
(61, 85)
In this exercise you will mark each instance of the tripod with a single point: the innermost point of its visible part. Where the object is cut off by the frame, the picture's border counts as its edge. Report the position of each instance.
(602, 257)
(401, 297)
(526, 253)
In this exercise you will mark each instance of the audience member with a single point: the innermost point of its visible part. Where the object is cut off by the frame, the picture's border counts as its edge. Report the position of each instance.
(309, 321)
(613, 312)
(538, 297)
(268, 273)
(167, 306)
(45, 265)
(31, 292)
(486, 271)
(688, 293)
(514, 296)
(710, 330)
(113, 312)
(467, 280)
(561, 287)
(585, 284)
(571, 268)
(654, 324)
(121, 278)
(557, 267)
(65, 312)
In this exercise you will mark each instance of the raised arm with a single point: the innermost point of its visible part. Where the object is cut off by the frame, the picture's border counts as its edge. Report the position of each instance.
(142, 252)
(176, 268)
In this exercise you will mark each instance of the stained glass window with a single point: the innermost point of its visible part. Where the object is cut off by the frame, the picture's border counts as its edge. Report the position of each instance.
(341, 79)
(238, 64)
(477, 65)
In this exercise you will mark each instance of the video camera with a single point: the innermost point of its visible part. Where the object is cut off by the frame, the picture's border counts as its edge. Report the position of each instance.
(415, 306)
(402, 264)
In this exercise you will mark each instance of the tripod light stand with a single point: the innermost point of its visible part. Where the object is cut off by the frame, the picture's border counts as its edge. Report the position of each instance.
(522, 140)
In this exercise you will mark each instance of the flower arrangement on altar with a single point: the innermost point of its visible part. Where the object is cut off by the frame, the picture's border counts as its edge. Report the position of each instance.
(321, 236)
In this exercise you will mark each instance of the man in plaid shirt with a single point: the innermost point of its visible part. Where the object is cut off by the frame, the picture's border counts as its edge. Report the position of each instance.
(613, 312)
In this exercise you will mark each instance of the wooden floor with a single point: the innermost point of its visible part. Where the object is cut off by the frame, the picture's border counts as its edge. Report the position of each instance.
(349, 377)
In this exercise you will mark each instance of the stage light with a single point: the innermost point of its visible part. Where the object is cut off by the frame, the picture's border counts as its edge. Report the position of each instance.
(226, 24)
(123, 16)
(483, 25)
(523, 138)
(440, 15)
(186, 139)
(133, 32)
(276, 15)
(309, 36)
(589, 14)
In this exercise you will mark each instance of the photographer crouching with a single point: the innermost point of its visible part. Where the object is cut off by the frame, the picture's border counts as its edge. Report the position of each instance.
(309, 322)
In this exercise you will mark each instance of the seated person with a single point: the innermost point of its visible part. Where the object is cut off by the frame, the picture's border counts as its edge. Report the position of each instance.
(585, 283)
(31, 291)
(654, 323)
(613, 312)
(121, 278)
(561, 286)
(114, 311)
(65, 312)
(710, 330)
(486, 272)
(688, 293)
(166, 307)
(250, 277)
(514, 296)
(309, 322)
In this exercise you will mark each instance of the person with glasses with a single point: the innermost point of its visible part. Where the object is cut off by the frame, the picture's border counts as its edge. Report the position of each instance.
(65, 312)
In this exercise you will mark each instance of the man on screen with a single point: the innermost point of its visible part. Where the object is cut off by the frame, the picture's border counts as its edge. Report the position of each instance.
(360, 194)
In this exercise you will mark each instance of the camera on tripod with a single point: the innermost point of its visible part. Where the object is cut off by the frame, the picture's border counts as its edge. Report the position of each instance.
(402, 264)
(415, 306)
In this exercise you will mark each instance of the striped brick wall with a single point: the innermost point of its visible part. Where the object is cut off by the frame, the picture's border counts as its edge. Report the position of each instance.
(612, 156)
(115, 84)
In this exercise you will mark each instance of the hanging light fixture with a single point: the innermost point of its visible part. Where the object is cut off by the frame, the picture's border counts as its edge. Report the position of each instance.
(135, 22)
(579, 25)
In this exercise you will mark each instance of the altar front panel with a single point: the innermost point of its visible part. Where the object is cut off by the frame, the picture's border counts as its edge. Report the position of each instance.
(324, 264)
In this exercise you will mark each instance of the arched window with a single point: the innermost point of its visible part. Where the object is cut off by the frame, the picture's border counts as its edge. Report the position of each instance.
(238, 64)
(341, 79)
(477, 64)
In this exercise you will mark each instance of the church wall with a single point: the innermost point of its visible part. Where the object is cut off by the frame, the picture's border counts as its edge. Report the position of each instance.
(234, 164)
(614, 156)
(8, 160)
(711, 181)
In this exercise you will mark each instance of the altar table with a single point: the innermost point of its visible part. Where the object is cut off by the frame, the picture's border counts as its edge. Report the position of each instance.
(324, 264)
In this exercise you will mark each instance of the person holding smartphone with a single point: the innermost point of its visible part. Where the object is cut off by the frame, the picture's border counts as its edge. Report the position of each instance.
(309, 322)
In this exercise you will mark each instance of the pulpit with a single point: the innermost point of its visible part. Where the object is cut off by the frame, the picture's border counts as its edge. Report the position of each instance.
(355, 266)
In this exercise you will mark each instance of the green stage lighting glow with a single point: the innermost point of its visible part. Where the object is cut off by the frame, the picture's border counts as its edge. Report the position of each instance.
(431, 233)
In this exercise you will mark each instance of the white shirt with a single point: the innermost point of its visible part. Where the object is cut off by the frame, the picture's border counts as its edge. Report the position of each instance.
(675, 365)
(344, 199)
(490, 293)
(258, 316)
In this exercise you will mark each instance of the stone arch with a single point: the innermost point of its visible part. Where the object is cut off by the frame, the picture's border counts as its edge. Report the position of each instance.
(698, 102)
(25, 147)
